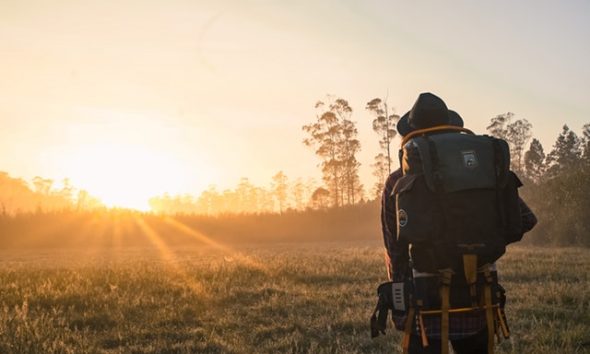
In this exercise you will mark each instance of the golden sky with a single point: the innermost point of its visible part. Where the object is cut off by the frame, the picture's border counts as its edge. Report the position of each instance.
(137, 98)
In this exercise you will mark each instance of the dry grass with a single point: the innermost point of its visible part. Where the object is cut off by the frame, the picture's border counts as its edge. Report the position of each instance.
(283, 298)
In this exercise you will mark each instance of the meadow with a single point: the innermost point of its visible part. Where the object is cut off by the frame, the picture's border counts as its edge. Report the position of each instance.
(313, 297)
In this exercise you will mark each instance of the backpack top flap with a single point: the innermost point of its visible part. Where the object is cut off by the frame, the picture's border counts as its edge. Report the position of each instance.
(454, 162)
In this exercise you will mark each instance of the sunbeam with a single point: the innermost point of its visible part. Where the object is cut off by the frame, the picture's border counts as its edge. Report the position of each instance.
(168, 256)
(187, 230)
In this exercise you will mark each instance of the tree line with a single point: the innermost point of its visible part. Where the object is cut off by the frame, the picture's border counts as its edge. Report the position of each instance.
(42, 195)
(556, 184)
(555, 180)
(279, 196)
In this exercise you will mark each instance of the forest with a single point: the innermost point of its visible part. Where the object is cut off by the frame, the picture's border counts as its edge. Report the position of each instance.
(339, 207)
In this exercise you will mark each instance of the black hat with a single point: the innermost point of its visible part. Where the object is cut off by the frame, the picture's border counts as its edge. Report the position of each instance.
(428, 111)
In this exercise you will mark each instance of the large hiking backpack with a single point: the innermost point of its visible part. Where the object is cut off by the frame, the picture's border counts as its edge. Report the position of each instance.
(457, 196)
(457, 208)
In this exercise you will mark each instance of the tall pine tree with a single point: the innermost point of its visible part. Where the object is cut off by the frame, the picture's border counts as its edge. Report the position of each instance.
(534, 161)
(566, 153)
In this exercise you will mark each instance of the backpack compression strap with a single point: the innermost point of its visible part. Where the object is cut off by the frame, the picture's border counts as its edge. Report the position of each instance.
(408, 330)
(488, 306)
(444, 319)
(434, 129)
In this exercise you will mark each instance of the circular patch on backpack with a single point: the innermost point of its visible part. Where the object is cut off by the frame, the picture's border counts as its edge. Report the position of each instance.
(402, 217)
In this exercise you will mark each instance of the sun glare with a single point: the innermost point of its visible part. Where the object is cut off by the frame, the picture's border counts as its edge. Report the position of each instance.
(125, 176)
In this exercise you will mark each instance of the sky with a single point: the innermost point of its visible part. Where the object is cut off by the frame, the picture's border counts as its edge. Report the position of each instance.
(133, 98)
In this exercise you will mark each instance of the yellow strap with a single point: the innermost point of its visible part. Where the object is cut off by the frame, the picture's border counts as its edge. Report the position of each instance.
(444, 316)
(419, 304)
(422, 331)
(408, 330)
(470, 269)
(455, 310)
(489, 310)
(434, 129)
(503, 324)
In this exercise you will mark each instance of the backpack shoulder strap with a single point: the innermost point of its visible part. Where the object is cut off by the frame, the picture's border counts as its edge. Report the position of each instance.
(428, 157)
(439, 128)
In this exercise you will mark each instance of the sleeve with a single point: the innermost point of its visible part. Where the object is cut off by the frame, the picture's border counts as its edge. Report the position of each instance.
(529, 220)
(396, 252)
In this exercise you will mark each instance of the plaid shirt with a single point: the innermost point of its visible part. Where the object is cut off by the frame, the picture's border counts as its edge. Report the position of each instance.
(461, 325)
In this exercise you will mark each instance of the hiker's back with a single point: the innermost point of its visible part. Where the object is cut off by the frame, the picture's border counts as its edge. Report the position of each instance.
(454, 206)
(456, 196)
(447, 216)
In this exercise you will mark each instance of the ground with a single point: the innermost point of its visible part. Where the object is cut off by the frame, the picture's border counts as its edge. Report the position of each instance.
(288, 298)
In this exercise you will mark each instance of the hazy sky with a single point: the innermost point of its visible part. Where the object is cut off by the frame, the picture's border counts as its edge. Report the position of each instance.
(176, 95)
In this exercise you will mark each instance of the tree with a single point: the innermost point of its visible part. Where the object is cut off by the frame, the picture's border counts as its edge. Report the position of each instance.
(42, 185)
(350, 147)
(586, 144)
(380, 170)
(518, 134)
(383, 125)
(279, 187)
(565, 154)
(319, 198)
(265, 201)
(310, 187)
(298, 192)
(498, 125)
(209, 202)
(85, 201)
(534, 161)
(16, 195)
(325, 134)
(333, 135)
(67, 190)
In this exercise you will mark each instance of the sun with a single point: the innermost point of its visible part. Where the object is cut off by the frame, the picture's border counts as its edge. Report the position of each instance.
(125, 176)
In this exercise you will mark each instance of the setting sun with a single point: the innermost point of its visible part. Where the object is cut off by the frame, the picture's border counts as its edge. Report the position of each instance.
(125, 175)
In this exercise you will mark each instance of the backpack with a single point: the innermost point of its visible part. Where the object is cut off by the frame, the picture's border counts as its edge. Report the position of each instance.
(457, 208)
(457, 196)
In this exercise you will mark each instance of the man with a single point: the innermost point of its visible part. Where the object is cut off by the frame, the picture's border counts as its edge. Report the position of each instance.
(467, 331)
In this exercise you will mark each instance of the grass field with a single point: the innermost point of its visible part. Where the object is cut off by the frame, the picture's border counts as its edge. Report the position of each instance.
(283, 298)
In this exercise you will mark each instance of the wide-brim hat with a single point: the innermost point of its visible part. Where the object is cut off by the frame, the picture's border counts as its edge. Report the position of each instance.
(428, 111)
